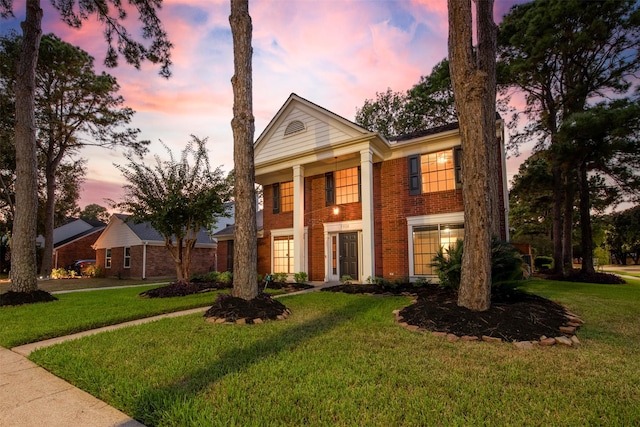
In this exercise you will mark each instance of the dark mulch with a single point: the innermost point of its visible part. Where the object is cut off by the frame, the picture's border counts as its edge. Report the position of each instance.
(179, 289)
(19, 298)
(514, 315)
(232, 308)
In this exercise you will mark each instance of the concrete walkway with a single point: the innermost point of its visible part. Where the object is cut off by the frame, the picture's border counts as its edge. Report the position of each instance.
(30, 396)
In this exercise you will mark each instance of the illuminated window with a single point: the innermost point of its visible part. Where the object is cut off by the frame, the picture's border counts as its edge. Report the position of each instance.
(433, 172)
(342, 186)
(283, 197)
(107, 258)
(283, 254)
(427, 240)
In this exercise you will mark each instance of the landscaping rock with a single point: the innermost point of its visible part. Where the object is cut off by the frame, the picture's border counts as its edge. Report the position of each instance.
(523, 345)
(452, 338)
(547, 342)
(569, 330)
(469, 338)
(487, 338)
(564, 341)
(575, 340)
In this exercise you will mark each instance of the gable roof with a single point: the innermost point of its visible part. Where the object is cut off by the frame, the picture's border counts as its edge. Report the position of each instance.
(318, 129)
(122, 231)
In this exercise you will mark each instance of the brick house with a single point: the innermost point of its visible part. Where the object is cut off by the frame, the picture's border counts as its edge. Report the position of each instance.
(137, 251)
(73, 241)
(341, 200)
(225, 238)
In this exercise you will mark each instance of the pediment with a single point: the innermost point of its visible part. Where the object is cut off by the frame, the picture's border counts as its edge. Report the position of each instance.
(301, 127)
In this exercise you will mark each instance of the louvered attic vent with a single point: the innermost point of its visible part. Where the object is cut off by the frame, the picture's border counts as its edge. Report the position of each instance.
(294, 127)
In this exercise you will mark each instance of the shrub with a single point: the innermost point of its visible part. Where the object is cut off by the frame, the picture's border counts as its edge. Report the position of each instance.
(94, 271)
(506, 264)
(280, 277)
(300, 277)
(421, 281)
(448, 265)
(542, 262)
(211, 276)
(346, 279)
(225, 277)
(59, 273)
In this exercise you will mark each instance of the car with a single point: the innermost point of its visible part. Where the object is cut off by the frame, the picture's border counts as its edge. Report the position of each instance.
(80, 266)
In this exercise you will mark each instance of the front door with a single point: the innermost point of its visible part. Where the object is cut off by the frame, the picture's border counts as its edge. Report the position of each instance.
(349, 255)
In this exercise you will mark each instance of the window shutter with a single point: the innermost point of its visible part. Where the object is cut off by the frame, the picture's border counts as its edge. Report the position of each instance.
(414, 175)
(276, 198)
(457, 165)
(329, 189)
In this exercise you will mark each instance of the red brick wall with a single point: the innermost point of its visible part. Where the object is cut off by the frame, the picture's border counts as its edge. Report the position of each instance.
(159, 262)
(396, 204)
(392, 204)
(79, 249)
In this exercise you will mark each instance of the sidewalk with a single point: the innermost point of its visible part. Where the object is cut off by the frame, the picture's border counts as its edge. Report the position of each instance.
(31, 396)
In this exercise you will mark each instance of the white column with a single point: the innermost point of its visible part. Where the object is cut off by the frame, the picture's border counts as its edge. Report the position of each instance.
(298, 219)
(368, 244)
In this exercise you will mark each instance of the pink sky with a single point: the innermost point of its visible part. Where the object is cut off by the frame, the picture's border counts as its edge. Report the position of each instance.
(335, 53)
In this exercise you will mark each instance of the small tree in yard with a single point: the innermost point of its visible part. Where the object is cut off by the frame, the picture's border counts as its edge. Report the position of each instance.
(177, 198)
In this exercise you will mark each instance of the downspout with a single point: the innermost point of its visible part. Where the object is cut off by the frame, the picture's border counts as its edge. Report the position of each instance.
(144, 260)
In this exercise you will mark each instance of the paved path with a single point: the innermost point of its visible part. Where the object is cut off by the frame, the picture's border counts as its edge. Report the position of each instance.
(30, 396)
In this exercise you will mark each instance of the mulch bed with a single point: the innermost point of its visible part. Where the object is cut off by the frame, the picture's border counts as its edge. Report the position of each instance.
(230, 309)
(19, 298)
(179, 289)
(514, 315)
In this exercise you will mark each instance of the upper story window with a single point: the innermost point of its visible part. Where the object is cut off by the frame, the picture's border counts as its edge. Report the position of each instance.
(433, 172)
(283, 197)
(342, 186)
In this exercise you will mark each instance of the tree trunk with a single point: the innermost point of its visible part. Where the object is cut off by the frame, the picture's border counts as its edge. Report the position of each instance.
(558, 259)
(567, 227)
(245, 276)
(23, 250)
(585, 221)
(49, 225)
(473, 88)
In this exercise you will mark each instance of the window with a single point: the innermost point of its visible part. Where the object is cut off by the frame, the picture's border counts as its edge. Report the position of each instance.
(107, 258)
(433, 172)
(283, 197)
(342, 186)
(283, 254)
(127, 257)
(428, 239)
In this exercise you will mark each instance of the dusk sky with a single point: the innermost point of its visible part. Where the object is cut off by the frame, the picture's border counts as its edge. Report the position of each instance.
(335, 53)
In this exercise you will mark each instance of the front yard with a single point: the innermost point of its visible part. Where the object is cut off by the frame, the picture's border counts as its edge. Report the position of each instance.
(341, 360)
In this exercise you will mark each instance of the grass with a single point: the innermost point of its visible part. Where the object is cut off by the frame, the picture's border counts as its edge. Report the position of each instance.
(80, 311)
(55, 285)
(340, 360)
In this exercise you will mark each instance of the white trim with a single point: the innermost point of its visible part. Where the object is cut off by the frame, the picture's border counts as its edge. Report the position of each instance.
(422, 220)
(289, 232)
(334, 229)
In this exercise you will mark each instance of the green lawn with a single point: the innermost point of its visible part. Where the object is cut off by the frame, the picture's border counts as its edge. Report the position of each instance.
(341, 360)
(80, 311)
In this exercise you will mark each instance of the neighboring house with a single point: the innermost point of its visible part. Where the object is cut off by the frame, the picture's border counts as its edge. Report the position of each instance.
(73, 241)
(225, 240)
(130, 250)
(341, 200)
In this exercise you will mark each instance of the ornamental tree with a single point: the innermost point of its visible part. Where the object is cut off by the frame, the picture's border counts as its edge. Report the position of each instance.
(178, 197)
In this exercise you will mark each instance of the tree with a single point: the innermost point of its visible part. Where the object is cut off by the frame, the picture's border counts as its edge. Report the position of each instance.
(474, 86)
(427, 104)
(95, 212)
(177, 198)
(563, 55)
(120, 42)
(606, 138)
(245, 255)
(530, 203)
(623, 236)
